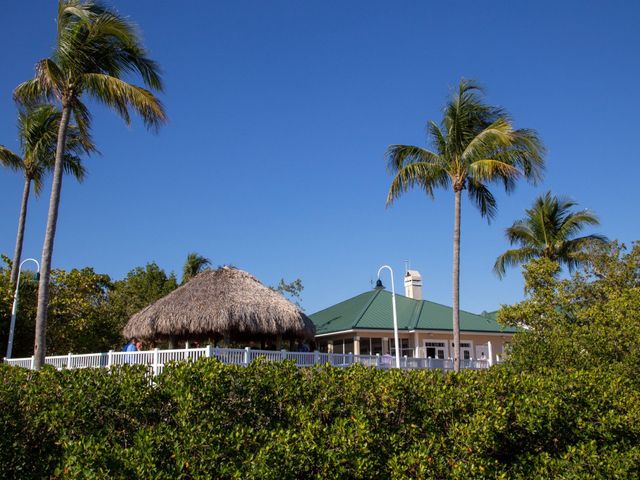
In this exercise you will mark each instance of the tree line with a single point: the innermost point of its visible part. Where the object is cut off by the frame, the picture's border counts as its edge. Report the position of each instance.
(88, 310)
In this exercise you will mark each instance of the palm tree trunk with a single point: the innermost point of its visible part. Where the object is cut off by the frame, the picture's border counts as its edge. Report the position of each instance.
(40, 346)
(20, 237)
(456, 283)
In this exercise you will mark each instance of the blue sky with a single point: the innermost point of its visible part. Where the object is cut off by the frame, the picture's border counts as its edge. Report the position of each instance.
(280, 114)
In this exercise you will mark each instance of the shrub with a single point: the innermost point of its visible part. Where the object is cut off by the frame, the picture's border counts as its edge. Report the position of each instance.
(273, 420)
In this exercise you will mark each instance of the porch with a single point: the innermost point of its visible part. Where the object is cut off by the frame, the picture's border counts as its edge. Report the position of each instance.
(418, 345)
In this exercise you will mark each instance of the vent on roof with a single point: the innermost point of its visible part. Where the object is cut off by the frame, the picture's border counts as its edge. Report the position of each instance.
(413, 284)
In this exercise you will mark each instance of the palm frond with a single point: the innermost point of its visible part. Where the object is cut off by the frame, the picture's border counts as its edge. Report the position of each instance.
(488, 140)
(32, 92)
(574, 223)
(82, 118)
(482, 198)
(10, 159)
(72, 165)
(513, 258)
(487, 170)
(194, 264)
(438, 137)
(426, 175)
(120, 95)
(520, 233)
(399, 156)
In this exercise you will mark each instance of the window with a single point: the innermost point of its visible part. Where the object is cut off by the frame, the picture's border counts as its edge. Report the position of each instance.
(376, 346)
(365, 346)
(348, 345)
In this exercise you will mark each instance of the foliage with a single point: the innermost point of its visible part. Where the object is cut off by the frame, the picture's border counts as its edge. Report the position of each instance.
(474, 145)
(590, 320)
(77, 320)
(25, 319)
(193, 265)
(38, 131)
(277, 421)
(549, 231)
(141, 287)
(291, 290)
(87, 310)
(95, 48)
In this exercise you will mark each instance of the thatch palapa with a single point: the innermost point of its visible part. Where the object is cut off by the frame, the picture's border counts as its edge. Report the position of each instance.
(226, 302)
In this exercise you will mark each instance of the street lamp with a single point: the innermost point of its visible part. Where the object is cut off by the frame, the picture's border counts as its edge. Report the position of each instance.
(395, 315)
(14, 309)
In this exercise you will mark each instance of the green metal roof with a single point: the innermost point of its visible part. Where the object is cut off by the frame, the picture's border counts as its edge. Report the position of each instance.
(372, 310)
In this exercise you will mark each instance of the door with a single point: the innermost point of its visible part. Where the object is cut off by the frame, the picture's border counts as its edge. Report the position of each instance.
(436, 349)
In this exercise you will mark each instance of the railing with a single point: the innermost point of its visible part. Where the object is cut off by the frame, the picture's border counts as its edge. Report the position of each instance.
(156, 359)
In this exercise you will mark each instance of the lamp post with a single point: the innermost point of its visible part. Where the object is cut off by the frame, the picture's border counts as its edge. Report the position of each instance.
(395, 315)
(14, 309)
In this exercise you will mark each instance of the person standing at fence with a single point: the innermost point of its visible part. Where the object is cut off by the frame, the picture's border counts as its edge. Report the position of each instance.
(132, 346)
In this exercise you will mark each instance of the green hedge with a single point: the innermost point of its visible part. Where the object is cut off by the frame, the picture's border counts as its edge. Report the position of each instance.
(276, 421)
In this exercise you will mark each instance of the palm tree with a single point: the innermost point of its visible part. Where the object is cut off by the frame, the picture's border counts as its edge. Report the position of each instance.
(194, 264)
(38, 130)
(549, 231)
(95, 47)
(474, 145)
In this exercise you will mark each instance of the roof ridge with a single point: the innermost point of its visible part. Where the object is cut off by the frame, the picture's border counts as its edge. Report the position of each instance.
(366, 307)
(419, 307)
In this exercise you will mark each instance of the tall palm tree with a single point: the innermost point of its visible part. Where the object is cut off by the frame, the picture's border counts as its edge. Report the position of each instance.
(549, 231)
(474, 145)
(194, 264)
(38, 131)
(95, 47)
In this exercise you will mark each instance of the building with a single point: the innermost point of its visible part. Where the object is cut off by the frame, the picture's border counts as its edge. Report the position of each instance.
(363, 325)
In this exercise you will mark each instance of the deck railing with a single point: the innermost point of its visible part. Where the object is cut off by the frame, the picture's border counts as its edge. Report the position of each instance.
(156, 359)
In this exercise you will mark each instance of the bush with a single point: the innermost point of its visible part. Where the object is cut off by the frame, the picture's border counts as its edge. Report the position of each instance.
(272, 420)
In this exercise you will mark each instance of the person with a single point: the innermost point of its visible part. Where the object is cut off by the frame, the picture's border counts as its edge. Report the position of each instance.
(138, 345)
(132, 346)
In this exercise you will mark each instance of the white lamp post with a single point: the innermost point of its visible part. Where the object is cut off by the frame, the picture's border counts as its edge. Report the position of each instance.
(395, 315)
(14, 309)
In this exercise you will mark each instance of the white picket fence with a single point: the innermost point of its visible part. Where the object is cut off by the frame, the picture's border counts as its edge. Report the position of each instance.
(156, 359)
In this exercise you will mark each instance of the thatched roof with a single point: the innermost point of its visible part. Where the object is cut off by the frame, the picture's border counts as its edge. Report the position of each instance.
(216, 303)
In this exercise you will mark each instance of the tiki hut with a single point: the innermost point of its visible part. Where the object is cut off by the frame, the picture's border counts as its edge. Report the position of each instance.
(226, 303)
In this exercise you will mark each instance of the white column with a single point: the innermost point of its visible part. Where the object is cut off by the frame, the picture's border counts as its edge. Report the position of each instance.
(246, 356)
(356, 345)
(490, 348)
(416, 345)
(155, 361)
